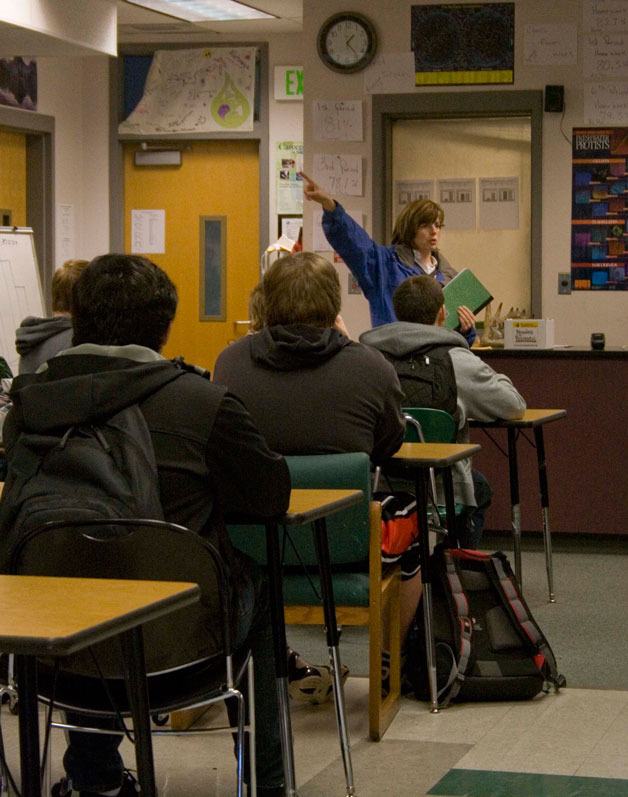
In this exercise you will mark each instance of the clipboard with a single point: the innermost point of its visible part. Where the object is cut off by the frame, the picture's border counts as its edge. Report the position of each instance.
(465, 288)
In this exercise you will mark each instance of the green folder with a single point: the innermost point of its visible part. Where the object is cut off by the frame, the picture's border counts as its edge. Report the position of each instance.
(465, 288)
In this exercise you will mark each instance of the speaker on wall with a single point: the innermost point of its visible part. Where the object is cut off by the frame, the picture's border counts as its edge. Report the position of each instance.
(554, 99)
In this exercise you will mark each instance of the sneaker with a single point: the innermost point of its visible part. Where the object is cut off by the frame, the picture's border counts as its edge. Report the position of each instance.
(309, 683)
(129, 788)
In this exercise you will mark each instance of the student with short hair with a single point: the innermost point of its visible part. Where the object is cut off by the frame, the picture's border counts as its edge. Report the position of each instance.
(211, 460)
(39, 339)
(310, 389)
(482, 393)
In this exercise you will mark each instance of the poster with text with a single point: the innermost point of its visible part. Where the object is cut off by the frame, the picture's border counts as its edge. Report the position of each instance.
(289, 164)
(599, 218)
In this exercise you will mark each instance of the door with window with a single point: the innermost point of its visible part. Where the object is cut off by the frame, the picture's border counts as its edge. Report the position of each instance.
(210, 207)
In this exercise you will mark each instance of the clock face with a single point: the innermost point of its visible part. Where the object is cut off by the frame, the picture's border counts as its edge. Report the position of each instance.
(347, 42)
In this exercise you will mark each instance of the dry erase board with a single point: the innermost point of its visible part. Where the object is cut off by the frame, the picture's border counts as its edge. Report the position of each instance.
(20, 287)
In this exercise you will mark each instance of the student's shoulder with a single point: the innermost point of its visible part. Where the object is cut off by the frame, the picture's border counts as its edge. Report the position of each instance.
(369, 356)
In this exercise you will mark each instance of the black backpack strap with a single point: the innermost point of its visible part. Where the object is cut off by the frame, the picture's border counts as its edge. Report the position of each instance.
(464, 627)
(520, 615)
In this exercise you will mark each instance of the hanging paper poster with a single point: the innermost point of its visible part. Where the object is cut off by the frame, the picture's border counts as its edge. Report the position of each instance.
(289, 184)
(196, 91)
(499, 203)
(463, 43)
(457, 198)
(599, 217)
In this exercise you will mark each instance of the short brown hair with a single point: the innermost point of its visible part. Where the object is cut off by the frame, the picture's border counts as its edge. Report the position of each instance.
(62, 283)
(257, 308)
(302, 288)
(418, 300)
(413, 216)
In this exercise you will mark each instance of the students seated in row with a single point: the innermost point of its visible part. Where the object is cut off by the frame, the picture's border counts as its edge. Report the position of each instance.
(39, 339)
(310, 389)
(211, 459)
(482, 393)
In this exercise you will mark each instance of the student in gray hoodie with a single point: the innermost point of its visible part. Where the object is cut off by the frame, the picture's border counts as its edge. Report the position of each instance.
(482, 393)
(39, 339)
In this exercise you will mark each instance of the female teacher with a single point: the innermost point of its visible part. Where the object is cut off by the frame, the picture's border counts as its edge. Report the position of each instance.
(380, 269)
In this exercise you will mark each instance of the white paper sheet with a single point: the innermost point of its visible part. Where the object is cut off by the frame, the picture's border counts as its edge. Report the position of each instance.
(457, 198)
(605, 55)
(499, 203)
(550, 45)
(604, 15)
(606, 103)
(148, 232)
(337, 120)
(390, 73)
(339, 174)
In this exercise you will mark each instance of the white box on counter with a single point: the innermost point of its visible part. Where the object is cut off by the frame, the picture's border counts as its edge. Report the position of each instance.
(529, 333)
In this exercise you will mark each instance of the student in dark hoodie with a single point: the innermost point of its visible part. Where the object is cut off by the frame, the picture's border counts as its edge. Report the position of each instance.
(309, 388)
(211, 459)
(39, 339)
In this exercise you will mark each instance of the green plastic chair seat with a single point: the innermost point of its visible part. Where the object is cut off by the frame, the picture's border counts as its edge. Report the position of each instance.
(348, 533)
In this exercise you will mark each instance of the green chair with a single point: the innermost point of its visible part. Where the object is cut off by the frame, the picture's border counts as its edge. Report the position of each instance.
(428, 425)
(364, 595)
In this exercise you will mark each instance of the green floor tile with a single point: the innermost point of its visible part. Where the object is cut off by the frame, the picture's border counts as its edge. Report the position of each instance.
(481, 783)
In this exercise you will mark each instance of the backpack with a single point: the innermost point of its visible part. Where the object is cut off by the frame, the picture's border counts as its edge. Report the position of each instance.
(103, 469)
(427, 379)
(488, 646)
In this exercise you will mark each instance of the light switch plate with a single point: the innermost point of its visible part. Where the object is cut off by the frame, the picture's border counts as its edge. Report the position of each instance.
(564, 283)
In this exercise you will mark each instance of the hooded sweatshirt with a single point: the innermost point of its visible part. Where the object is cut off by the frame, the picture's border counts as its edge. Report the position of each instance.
(483, 393)
(210, 457)
(314, 391)
(39, 339)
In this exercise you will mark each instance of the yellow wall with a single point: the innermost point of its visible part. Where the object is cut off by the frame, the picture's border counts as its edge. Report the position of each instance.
(13, 175)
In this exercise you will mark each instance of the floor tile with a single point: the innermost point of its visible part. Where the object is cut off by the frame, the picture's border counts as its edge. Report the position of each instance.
(480, 783)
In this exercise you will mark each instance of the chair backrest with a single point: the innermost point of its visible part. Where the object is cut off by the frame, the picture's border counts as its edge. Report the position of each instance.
(436, 426)
(348, 530)
(137, 549)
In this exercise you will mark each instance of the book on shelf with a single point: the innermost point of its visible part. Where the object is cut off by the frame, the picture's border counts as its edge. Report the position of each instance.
(464, 289)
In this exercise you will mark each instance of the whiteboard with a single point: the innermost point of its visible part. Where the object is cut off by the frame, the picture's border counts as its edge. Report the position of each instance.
(20, 287)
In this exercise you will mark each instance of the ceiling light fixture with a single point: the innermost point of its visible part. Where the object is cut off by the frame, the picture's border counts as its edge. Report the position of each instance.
(203, 10)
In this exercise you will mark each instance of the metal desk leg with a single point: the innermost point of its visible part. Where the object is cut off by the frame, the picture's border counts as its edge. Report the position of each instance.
(450, 507)
(26, 671)
(329, 608)
(281, 658)
(543, 487)
(424, 543)
(135, 666)
(515, 505)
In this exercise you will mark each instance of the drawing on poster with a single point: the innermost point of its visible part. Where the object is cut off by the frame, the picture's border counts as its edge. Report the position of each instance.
(195, 91)
(599, 222)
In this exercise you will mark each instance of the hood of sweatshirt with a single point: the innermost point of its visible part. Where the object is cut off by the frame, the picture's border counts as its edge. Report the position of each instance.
(402, 338)
(295, 346)
(32, 332)
(88, 383)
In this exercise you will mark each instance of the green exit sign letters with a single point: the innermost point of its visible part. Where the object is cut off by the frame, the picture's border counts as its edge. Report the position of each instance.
(288, 82)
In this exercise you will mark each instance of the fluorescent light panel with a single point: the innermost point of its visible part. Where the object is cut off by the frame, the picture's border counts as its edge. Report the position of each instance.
(203, 10)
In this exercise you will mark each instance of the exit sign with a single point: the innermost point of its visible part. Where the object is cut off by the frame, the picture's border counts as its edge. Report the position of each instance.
(288, 82)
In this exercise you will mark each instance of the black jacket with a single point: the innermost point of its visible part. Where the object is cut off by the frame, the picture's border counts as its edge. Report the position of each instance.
(211, 459)
(313, 391)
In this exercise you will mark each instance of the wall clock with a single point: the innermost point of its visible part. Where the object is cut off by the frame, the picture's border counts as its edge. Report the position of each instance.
(347, 42)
